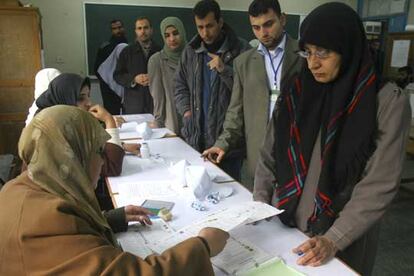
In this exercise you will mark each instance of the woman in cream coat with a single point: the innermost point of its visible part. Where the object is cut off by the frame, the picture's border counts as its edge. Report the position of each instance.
(161, 70)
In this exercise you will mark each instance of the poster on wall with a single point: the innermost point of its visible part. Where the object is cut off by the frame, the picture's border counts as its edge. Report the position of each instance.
(400, 51)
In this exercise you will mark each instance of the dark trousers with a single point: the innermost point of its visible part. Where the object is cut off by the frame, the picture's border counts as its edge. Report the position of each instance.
(111, 101)
(232, 166)
(137, 101)
(360, 255)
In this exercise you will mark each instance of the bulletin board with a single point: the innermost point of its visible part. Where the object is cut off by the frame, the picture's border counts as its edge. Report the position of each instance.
(399, 52)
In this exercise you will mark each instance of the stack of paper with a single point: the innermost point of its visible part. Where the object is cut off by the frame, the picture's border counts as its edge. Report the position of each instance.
(240, 255)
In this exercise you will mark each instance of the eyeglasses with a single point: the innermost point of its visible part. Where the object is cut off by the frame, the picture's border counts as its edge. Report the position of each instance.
(321, 54)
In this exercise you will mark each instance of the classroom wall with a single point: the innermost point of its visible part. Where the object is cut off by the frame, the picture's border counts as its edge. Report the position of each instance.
(410, 19)
(63, 25)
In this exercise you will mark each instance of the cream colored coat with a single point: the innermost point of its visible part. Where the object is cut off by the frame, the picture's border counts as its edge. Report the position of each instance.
(161, 73)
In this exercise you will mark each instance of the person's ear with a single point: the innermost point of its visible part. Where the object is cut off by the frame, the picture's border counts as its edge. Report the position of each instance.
(283, 19)
(221, 22)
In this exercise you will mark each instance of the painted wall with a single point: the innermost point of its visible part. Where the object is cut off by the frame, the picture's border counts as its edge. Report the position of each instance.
(410, 19)
(63, 25)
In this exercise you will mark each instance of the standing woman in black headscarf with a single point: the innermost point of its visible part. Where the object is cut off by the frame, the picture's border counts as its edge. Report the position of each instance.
(334, 149)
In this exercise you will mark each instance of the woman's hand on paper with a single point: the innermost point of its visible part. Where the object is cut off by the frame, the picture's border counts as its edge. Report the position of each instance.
(315, 251)
(135, 213)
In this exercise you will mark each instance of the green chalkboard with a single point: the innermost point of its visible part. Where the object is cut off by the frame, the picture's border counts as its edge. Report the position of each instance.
(99, 16)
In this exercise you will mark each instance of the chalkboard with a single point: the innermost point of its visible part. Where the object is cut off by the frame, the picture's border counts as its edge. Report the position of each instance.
(99, 16)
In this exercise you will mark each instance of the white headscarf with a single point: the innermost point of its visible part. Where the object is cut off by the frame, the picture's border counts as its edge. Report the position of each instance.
(107, 68)
(42, 80)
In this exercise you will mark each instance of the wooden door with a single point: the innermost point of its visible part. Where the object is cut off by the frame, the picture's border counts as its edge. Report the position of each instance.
(20, 60)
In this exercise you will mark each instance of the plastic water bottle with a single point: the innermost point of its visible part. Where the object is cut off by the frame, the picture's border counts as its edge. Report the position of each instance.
(145, 151)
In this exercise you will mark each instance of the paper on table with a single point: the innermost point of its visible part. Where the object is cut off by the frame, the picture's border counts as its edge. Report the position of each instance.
(157, 133)
(128, 127)
(259, 211)
(178, 169)
(155, 232)
(226, 219)
(222, 219)
(147, 189)
(272, 267)
(144, 130)
(240, 255)
(134, 244)
(198, 180)
(138, 118)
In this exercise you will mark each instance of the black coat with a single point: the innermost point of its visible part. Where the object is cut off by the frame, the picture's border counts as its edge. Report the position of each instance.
(132, 61)
(111, 101)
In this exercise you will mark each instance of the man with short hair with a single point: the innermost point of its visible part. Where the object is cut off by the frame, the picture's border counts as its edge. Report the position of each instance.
(405, 76)
(111, 101)
(259, 75)
(204, 81)
(131, 70)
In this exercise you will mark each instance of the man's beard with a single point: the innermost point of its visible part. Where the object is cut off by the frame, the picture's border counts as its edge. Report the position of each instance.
(119, 39)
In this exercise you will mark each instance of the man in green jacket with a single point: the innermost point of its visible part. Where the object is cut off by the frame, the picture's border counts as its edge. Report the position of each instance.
(259, 75)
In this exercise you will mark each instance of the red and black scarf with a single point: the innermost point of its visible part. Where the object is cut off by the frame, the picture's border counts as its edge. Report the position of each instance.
(343, 112)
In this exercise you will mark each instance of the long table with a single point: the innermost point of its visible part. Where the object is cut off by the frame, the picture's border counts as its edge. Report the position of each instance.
(271, 236)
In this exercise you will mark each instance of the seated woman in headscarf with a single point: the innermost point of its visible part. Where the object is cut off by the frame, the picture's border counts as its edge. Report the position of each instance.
(42, 80)
(334, 149)
(72, 89)
(50, 222)
(161, 71)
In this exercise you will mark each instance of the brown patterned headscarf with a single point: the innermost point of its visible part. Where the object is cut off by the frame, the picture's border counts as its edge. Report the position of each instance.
(57, 146)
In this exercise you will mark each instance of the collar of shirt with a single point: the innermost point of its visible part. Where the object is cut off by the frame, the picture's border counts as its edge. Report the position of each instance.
(273, 63)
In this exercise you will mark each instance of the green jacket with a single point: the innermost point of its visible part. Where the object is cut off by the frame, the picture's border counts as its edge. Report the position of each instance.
(248, 113)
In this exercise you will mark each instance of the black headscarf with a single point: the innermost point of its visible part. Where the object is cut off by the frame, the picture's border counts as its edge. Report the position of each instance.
(343, 111)
(64, 89)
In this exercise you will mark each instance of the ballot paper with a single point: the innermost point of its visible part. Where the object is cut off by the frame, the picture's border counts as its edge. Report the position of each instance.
(240, 255)
(155, 232)
(214, 220)
(134, 244)
(225, 219)
(138, 242)
(258, 211)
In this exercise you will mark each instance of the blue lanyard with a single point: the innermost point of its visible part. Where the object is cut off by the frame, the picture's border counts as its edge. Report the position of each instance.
(275, 71)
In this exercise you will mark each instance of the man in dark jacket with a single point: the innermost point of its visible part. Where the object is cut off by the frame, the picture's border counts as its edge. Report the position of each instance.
(131, 69)
(111, 101)
(204, 81)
